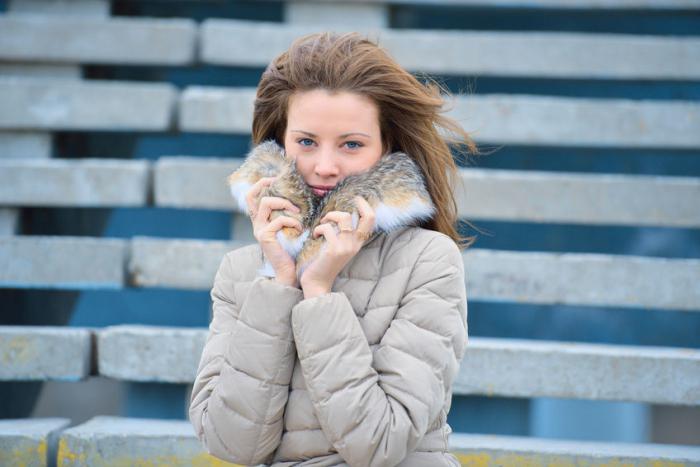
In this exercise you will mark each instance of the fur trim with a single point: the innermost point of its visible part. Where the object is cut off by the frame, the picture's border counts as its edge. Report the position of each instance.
(394, 187)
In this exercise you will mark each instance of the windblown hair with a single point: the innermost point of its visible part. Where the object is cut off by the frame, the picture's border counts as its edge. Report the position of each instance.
(410, 112)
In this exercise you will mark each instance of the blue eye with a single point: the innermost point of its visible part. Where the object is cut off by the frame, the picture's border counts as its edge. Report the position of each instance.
(356, 143)
(301, 141)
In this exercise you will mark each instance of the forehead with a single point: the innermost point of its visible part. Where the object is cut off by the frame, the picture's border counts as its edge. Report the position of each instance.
(326, 111)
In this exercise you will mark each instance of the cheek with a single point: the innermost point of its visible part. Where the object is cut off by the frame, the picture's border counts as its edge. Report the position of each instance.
(303, 167)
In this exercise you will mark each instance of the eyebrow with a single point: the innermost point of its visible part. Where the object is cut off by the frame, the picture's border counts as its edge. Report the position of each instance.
(344, 135)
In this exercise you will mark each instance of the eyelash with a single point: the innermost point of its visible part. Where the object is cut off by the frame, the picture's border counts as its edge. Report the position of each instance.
(357, 143)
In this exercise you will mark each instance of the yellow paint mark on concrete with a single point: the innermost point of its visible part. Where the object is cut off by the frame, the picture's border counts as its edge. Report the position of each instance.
(29, 454)
(473, 460)
(207, 460)
(66, 457)
(18, 349)
(614, 463)
(484, 459)
(42, 449)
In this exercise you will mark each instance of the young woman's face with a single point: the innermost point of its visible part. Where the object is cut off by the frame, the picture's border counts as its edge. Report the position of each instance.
(331, 136)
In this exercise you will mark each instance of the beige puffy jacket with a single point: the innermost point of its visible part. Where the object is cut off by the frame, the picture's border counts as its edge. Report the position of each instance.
(360, 376)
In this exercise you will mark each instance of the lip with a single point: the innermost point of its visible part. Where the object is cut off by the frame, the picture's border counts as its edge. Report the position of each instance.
(321, 190)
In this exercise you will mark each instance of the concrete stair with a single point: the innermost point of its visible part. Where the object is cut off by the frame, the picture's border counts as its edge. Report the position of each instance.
(42, 50)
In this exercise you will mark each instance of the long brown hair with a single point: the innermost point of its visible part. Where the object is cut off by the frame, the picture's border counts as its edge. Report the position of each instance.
(410, 112)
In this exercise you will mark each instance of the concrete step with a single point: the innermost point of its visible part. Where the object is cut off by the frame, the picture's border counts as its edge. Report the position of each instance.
(149, 353)
(62, 262)
(482, 53)
(505, 367)
(30, 442)
(41, 353)
(493, 194)
(96, 40)
(74, 183)
(523, 277)
(545, 4)
(193, 182)
(33, 104)
(9, 221)
(494, 275)
(151, 262)
(498, 118)
(106, 440)
(509, 195)
(25, 144)
(129, 441)
(536, 368)
(132, 441)
(512, 451)
(53, 8)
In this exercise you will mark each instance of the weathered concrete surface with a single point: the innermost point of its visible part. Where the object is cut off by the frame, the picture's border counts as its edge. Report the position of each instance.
(84, 40)
(44, 353)
(76, 182)
(193, 182)
(184, 264)
(149, 353)
(512, 451)
(190, 182)
(543, 120)
(62, 262)
(527, 54)
(130, 441)
(216, 110)
(498, 118)
(491, 275)
(494, 367)
(529, 368)
(32, 104)
(29, 442)
(9, 221)
(25, 144)
(49, 72)
(331, 14)
(518, 195)
(588, 4)
(73, 8)
(582, 279)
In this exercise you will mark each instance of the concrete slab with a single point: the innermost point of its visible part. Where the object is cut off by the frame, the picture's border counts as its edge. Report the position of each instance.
(62, 262)
(39, 353)
(30, 442)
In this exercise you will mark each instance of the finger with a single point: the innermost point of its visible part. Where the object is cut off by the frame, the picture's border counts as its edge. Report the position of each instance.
(268, 203)
(341, 218)
(276, 202)
(283, 221)
(327, 231)
(254, 192)
(367, 216)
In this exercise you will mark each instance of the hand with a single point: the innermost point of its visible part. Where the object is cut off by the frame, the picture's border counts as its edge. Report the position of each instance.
(265, 230)
(340, 247)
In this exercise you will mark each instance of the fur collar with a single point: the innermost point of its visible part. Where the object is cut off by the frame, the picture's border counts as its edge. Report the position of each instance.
(394, 187)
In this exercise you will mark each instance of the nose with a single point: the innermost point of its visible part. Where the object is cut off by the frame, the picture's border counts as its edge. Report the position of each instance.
(326, 165)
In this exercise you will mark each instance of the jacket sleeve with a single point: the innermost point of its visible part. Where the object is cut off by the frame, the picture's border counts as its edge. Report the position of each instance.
(241, 387)
(374, 409)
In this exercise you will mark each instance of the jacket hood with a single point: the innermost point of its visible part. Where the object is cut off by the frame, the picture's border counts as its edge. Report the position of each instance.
(394, 187)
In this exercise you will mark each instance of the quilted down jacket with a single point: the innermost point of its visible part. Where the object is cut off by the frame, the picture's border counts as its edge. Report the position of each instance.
(360, 376)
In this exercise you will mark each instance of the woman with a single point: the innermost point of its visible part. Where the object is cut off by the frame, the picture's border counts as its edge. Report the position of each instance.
(350, 362)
